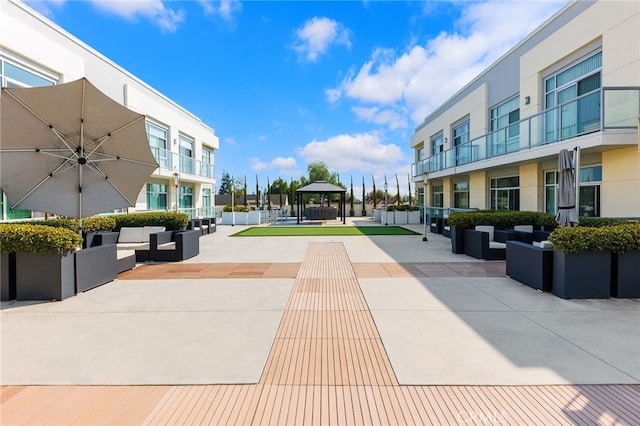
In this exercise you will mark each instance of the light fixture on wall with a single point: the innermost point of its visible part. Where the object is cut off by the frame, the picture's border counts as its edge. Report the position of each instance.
(175, 141)
(527, 100)
(446, 140)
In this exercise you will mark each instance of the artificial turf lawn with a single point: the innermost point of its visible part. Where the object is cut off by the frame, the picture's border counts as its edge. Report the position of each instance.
(307, 230)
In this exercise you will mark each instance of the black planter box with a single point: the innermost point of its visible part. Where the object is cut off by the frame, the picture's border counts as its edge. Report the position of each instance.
(584, 275)
(45, 276)
(625, 268)
(8, 276)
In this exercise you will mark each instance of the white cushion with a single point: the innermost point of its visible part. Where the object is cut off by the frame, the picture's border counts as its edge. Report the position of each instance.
(132, 246)
(167, 246)
(447, 227)
(148, 230)
(130, 235)
(497, 245)
(486, 228)
(523, 228)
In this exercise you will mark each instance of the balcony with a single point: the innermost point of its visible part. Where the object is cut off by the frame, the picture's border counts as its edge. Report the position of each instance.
(168, 160)
(610, 108)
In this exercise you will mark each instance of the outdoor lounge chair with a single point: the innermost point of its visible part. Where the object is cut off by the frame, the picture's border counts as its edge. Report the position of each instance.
(530, 265)
(174, 246)
(526, 234)
(480, 243)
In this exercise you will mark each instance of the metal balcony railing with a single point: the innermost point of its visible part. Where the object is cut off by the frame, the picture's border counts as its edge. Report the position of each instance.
(609, 108)
(173, 161)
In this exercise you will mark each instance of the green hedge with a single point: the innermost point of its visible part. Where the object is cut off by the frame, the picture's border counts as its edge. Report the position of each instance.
(597, 222)
(170, 220)
(501, 218)
(89, 224)
(37, 238)
(619, 238)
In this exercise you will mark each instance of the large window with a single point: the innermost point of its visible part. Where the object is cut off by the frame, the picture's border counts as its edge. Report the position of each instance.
(16, 74)
(505, 130)
(460, 136)
(437, 153)
(505, 193)
(550, 198)
(207, 162)
(576, 91)
(461, 195)
(207, 211)
(437, 196)
(590, 180)
(186, 197)
(186, 155)
(156, 196)
(158, 137)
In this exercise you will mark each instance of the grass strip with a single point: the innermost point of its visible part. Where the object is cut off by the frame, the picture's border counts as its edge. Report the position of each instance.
(307, 230)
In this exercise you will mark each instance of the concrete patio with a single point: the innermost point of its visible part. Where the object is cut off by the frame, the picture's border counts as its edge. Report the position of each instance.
(444, 321)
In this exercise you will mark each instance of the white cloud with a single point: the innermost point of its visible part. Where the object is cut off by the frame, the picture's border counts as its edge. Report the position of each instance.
(317, 35)
(280, 163)
(226, 9)
(425, 75)
(389, 117)
(167, 19)
(360, 152)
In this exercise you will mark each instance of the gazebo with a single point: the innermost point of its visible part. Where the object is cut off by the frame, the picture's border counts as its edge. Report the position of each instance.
(321, 187)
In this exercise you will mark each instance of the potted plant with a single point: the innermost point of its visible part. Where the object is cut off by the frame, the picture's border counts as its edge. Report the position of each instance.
(625, 263)
(94, 225)
(582, 260)
(44, 260)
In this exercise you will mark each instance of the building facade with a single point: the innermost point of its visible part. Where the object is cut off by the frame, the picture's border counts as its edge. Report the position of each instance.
(36, 52)
(573, 84)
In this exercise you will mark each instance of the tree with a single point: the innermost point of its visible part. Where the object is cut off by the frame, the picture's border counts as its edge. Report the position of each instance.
(409, 182)
(364, 206)
(351, 197)
(373, 194)
(398, 196)
(225, 183)
(318, 171)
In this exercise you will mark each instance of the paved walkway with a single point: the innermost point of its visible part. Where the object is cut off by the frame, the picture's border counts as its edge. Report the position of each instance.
(321, 340)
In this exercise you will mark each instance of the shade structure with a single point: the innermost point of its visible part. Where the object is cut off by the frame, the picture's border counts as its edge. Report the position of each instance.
(321, 187)
(72, 150)
(567, 214)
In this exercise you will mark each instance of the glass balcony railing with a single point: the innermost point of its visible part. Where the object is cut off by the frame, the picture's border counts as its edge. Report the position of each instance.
(611, 108)
(173, 161)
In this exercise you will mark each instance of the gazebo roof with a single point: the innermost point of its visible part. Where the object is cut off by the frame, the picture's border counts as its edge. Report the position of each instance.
(321, 187)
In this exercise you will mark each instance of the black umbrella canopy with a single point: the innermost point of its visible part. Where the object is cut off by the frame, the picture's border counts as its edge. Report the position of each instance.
(70, 149)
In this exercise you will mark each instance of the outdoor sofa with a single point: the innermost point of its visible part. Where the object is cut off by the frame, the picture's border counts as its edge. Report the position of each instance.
(486, 242)
(174, 246)
(530, 264)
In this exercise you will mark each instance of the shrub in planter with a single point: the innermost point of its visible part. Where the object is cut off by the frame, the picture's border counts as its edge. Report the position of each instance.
(585, 262)
(44, 262)
(170, 220)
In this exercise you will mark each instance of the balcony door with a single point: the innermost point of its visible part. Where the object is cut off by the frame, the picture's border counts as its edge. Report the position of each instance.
(572, 98)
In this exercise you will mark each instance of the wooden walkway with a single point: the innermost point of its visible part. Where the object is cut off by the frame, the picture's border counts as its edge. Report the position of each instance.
(327, 366)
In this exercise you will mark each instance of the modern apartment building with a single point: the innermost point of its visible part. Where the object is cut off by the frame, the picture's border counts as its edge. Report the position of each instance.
(572, 84)
(36, 52)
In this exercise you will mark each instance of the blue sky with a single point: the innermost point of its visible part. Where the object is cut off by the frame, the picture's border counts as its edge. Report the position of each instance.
(286, 83)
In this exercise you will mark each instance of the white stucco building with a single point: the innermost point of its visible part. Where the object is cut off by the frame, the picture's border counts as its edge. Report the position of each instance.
(572, 83)
(36, 52)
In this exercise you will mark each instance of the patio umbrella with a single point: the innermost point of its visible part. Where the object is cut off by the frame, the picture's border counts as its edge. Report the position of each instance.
(70, 149)
(567, 214)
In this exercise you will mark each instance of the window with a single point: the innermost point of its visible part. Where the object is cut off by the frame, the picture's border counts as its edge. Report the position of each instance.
(437, 153)
(550, 182)
(575, 91)
(206, 202)
(590, 179)
(186, 197)
(156, 196)
(186, 154)
(461, 195)
(158, 137)
(437, 199)
(505, 193)
(460, 135)
(19, 75)
(505, 130)
(207, 162)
